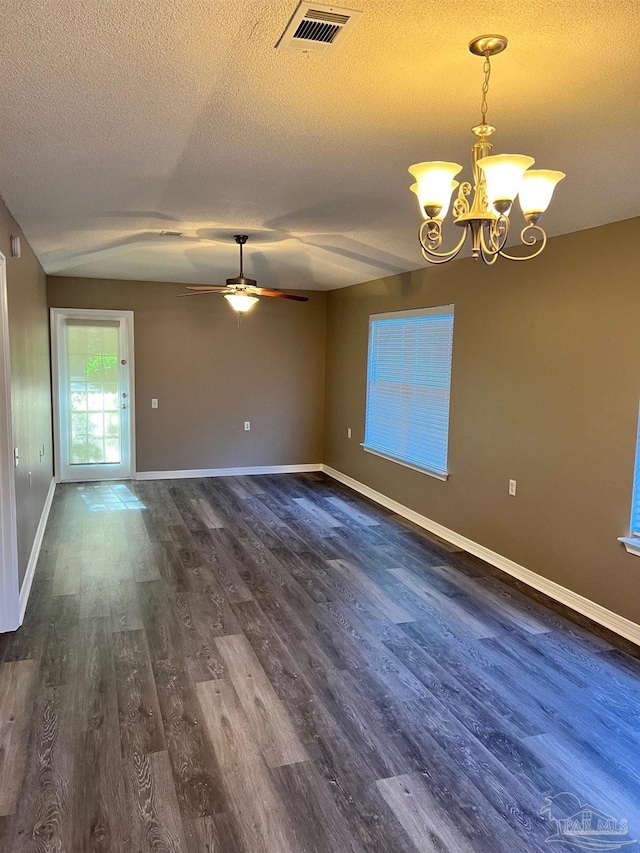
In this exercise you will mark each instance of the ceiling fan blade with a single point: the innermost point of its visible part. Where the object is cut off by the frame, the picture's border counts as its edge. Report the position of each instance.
(262, 291)
(207, 287)
(202, 292)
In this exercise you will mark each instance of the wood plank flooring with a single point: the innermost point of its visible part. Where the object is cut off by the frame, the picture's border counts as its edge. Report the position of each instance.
(275, 665)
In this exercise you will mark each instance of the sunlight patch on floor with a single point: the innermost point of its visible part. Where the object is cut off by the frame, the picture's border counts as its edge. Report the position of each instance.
(106, 498)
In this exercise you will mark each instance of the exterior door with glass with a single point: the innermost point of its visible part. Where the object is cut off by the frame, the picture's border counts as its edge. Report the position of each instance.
(93, 378)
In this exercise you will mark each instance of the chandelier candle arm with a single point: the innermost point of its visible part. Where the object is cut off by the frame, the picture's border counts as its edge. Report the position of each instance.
(528, 238)
(497, 235)
(432, 229)
(483, 209)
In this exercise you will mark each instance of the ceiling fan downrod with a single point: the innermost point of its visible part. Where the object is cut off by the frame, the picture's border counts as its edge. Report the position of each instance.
(241, 239)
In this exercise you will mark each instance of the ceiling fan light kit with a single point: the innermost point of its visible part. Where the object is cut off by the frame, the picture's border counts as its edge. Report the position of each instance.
(497, 181)
(241, 302)
(242, 292)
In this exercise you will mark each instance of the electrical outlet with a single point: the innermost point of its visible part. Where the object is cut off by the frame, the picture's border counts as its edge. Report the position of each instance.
(348, 432)
(512, 487)
(154, 402)
(247, 426)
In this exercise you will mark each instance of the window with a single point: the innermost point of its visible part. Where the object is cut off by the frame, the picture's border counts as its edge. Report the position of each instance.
(408, 387)
(632, 542)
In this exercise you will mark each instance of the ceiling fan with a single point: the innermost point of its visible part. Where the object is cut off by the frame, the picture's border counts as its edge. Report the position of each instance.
(241, 292)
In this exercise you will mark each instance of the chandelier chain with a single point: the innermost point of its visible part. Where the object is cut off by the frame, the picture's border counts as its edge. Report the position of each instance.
(485, 86)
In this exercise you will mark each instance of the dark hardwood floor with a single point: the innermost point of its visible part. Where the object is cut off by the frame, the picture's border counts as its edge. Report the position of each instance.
(272, 664)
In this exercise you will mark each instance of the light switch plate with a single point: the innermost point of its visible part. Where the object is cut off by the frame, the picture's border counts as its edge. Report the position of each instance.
(154, 402)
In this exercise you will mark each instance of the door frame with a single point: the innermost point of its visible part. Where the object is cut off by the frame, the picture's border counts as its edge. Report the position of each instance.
(9, 582)
(95, 314)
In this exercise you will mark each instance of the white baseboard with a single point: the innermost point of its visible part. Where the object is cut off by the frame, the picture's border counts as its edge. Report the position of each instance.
(25, 589)
(188, 474)
(607, 618)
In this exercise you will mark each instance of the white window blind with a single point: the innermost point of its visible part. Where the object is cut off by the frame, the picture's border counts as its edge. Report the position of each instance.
(408, 387)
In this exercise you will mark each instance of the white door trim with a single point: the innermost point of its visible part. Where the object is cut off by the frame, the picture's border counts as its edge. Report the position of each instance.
(95, 314)
(9, 585)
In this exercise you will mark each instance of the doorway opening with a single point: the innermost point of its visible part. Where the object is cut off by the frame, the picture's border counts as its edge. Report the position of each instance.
(92, 359)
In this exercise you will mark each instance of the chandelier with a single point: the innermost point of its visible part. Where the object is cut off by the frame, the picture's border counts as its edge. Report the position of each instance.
(497, 180)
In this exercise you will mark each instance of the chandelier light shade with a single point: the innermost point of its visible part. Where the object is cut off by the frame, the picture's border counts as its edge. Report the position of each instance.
(434, 185)
(536, 190)
(503, 177)
(241, 302)
(483, 209)
(423, 203)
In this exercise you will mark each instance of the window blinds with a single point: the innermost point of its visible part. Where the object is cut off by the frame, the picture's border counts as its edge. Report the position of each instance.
(408, 387)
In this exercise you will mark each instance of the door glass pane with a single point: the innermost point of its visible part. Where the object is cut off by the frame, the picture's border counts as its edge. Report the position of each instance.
(93, 394)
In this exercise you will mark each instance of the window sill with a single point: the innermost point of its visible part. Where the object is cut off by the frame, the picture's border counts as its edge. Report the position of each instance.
(631, 543)
(443, 477)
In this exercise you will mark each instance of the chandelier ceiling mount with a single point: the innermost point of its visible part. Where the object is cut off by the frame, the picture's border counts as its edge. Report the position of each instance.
(488, 45)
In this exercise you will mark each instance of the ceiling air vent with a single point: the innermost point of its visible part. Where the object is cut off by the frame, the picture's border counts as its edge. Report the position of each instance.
(317, 29)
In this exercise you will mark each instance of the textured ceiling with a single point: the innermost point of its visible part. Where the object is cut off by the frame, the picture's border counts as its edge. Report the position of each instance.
(120, 119)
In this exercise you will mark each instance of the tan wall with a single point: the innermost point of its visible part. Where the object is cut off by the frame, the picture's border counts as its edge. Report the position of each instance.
(210, 376)
(30, 382)
(545, 390)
